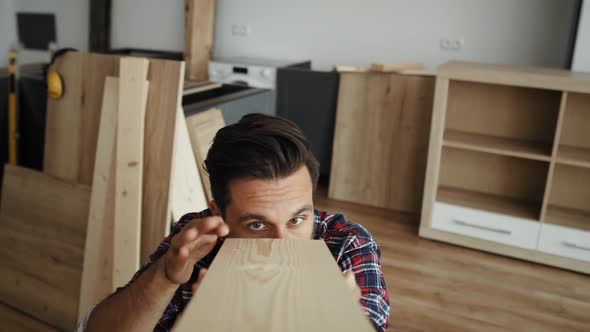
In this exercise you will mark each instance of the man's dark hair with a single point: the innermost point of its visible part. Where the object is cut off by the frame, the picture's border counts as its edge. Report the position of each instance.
(259, 146)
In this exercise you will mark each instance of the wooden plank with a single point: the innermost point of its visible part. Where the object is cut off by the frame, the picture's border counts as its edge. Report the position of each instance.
(97, 67)
(395, 67)
(186, 190)
(274, 285)
(97, 280)
(524, 76)
(202, 128)
(381, 139)
(198, 47)
(43, 231)
(17, 321)
(63, 120)
(132, 100)
(72, 121)
(164, 99)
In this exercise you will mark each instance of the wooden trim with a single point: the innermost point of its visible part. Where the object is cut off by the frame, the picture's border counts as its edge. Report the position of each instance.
(559, 125)
(97, 280)
(186, 190)
(523, 76)
(133, 90)
(198, 38)
(434, 151)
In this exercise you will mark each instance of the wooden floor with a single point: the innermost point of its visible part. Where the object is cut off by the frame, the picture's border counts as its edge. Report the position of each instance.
(435, 286)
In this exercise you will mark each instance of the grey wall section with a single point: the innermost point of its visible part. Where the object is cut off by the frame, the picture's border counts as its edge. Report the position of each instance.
(329, 32)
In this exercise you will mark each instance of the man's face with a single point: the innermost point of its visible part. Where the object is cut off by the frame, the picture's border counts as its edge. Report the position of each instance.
(280, 209)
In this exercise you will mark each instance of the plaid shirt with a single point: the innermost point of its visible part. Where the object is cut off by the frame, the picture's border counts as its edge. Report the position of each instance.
(351, 245)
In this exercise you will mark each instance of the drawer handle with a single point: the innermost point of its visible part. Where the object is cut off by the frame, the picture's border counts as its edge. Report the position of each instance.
(490, 229)
(575, 246)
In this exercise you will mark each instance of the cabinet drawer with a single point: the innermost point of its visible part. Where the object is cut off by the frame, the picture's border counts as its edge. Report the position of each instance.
(486, 225)
(564, 241)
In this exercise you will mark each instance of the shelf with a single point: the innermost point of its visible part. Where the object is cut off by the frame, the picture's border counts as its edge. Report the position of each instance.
(572, 218)
(497, 145)
(487, 202)
(574, 156)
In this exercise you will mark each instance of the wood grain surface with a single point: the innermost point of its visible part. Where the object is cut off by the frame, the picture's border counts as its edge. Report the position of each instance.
(164, 99)
(381, 139)
(273, 285)
(198, 38)
(43, 222)
(97, 279)
(186, 190)
(202, 128)
(132, 99)
(15, 320)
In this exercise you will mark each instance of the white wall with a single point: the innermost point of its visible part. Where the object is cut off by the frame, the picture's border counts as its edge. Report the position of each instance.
(148, 24)
(360, 32)
(7, 30)
(71, 25)
(582, 51)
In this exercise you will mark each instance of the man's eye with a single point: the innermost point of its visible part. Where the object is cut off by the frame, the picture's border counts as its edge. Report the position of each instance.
(256, 226)
(296, 221)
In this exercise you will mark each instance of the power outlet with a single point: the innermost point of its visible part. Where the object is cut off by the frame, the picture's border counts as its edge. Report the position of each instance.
(240, 30)
(448, 44)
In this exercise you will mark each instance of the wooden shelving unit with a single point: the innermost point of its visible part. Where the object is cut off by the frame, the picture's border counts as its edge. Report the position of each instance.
(509, 158)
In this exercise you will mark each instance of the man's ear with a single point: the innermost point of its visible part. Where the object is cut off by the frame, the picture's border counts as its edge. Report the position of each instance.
(214, 208)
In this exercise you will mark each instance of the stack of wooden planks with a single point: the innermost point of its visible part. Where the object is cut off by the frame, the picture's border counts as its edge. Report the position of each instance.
(117, 151)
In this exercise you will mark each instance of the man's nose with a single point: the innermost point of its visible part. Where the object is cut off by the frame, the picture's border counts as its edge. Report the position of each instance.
(280, 233)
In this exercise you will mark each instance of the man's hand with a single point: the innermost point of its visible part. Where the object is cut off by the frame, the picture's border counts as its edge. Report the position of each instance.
(351, 282)
(190, 245)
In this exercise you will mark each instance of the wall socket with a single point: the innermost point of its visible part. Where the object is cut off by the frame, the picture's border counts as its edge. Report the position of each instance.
(240, 30)
(449, 44)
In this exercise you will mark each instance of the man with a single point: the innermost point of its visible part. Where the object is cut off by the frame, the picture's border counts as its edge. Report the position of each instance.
(262, 175)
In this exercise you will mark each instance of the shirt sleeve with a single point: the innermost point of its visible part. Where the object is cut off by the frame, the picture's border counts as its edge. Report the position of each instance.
(362, 256)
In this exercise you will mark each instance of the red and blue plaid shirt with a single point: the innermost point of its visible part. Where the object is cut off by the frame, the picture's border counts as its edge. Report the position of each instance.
(351, 245)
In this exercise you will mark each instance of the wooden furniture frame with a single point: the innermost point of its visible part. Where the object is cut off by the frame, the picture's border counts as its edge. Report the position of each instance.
(509, 163)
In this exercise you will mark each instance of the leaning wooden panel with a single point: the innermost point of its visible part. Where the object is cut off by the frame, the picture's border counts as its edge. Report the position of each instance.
(97, 280)
(381, 139)
(273, 285)
(97, 67)
(198, 38)
(43, 222)
(186, 191)
(132, 99)
(16, 321)
(63, 122)
(164, 99)
(202, 128)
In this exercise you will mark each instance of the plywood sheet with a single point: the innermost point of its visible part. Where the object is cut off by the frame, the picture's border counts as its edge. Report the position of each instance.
(63, 120)
(165, 91)
(186, 193)
(273, 285)
(198, 40)
(72, 121)
(97, 280)
(43, 222)
(381, 139)
(17, 321)
(133, 89)
(202, 128)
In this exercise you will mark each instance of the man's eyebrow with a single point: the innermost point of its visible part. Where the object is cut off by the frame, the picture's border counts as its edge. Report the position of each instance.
(305, 208)
(251, 216)
(255, 216)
